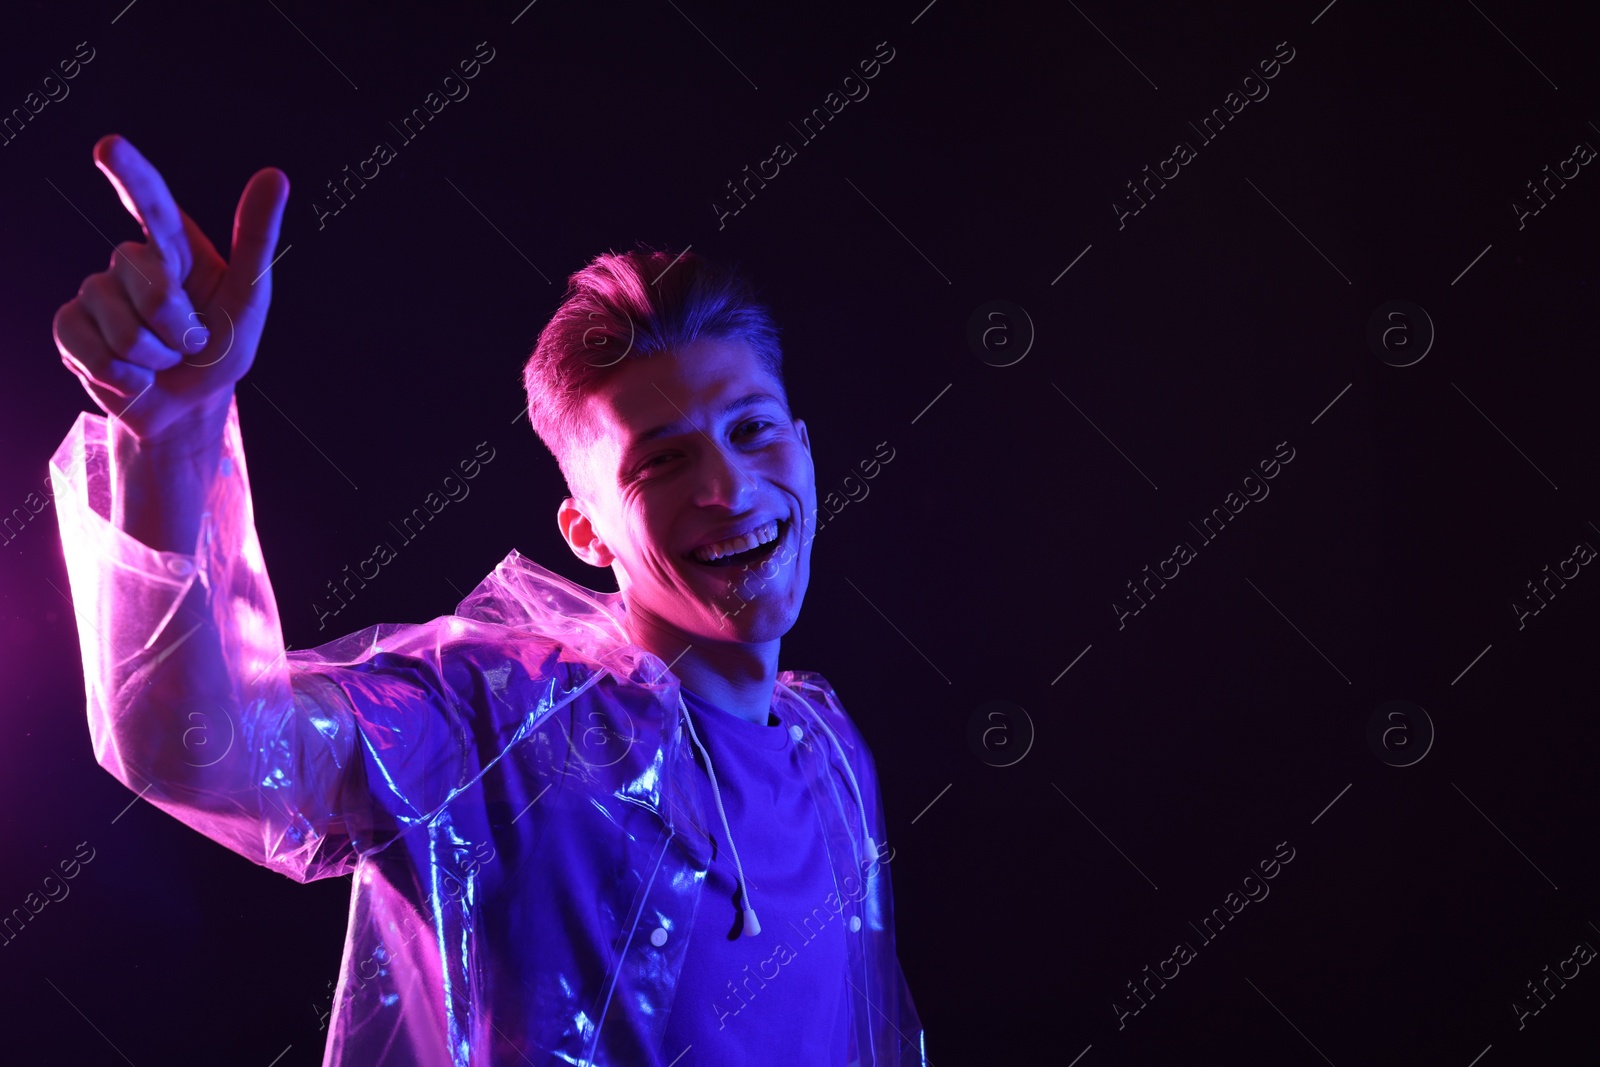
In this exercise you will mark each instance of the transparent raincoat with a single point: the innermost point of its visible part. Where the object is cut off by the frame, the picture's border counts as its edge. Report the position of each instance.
(511, 788)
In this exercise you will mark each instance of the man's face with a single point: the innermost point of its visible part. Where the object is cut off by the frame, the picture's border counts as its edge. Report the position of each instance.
(697, 447)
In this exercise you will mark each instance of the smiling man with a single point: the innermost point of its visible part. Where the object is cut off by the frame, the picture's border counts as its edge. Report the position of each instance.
(584, 827)
(692, 473)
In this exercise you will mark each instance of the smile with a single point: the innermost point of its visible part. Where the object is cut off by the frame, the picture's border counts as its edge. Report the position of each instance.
(749, 549)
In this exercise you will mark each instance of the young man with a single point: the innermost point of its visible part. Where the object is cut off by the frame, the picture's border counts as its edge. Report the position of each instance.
(584, 828)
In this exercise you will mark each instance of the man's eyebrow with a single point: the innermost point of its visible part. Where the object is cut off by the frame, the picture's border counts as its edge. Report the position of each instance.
(749, 400)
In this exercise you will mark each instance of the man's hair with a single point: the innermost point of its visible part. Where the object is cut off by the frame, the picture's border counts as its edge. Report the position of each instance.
(633, 305)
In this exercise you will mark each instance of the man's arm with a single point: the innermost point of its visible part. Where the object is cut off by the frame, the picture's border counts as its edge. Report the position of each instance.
(188, 687)
(298, 761)
(192, 701)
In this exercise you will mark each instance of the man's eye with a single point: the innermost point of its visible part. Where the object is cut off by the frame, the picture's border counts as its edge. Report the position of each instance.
(759, 424)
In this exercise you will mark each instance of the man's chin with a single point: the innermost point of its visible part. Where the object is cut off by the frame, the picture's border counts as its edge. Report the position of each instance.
(765, 618)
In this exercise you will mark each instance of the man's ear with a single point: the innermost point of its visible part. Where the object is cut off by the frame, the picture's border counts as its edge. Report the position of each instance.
(580, 534)
(800, 431)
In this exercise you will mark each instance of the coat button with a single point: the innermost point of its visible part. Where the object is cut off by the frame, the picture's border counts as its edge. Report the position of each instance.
(855, 923)
(796, 733)
(658, 936)
(180, 567)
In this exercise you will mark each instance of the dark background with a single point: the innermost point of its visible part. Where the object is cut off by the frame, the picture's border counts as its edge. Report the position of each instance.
(1180, 350)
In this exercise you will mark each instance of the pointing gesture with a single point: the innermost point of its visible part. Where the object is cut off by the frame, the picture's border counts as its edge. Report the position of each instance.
(160, 338)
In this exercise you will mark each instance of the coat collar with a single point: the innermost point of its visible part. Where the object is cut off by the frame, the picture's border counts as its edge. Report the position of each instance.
(521, 594)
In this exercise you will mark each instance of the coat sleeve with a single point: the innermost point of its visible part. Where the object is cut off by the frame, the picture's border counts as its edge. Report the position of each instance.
(300, 761)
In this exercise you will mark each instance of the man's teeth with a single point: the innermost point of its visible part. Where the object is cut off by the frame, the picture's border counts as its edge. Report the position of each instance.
(735, 545)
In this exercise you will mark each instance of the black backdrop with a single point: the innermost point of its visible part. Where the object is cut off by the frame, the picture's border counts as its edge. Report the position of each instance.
(1048, 854)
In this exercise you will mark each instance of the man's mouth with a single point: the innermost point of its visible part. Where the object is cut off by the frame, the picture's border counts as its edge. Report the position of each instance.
(767, 539)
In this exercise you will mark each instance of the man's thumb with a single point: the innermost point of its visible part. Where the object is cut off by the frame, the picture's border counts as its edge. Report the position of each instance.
(256, 222)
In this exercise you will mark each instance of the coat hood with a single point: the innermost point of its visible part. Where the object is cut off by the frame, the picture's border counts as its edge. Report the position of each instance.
(521, 594)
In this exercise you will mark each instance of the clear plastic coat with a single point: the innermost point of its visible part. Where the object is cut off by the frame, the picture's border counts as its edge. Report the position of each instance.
(510, 787)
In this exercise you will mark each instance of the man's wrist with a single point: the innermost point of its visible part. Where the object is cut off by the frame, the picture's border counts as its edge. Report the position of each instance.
(161, 480)
(193, 432)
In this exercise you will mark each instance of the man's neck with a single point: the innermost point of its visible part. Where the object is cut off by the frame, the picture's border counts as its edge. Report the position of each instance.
(738, 678)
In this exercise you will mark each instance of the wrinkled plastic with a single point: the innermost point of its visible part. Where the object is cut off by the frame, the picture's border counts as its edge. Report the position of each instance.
(510, 786)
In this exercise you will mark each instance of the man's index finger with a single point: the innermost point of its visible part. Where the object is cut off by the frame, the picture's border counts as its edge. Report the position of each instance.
(144, 193)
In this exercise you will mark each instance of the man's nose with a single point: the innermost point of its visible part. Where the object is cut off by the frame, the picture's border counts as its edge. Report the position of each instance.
(724, 481)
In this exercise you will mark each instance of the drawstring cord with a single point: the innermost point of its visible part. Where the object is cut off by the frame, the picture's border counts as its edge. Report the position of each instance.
(861, 808)
(752, 925)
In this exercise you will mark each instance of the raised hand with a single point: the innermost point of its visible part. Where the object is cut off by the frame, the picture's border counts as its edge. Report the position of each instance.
(160, 338)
